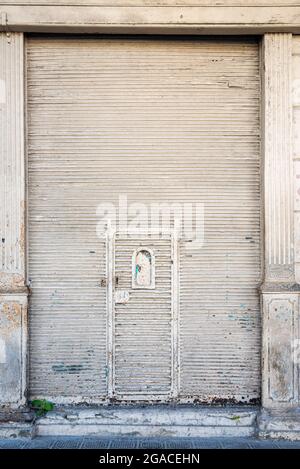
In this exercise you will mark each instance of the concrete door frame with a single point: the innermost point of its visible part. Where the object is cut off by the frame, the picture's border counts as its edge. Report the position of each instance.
(279, 292)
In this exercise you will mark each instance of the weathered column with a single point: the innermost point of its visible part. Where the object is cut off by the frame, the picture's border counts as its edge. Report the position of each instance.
(13, 293)
(280, 292)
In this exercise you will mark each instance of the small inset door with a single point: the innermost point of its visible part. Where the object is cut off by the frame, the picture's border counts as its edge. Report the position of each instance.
(143, 319)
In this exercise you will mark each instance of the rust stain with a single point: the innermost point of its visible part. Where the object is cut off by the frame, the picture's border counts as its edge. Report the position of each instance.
(22, 238)
(280, 367)
(11, 282)
(10, 317)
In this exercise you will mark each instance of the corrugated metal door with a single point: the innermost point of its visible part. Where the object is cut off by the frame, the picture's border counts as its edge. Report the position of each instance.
(159, 121)
(143, 323)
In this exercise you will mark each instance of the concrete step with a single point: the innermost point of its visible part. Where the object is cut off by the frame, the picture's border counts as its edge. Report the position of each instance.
(16, 423)
(146, 421)
(280, 424)
(16, 430)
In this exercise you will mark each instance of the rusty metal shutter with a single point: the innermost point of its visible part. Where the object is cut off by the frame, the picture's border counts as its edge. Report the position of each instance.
(172, 120)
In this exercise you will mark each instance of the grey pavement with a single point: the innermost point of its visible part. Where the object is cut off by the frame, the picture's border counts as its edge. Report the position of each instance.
(145, 443)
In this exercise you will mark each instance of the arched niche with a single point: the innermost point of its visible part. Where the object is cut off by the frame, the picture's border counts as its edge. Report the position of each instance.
(143, 269)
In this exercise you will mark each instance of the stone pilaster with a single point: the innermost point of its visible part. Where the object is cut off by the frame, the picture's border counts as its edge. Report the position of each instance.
(278, 154)
(280, 292)
(13, 292)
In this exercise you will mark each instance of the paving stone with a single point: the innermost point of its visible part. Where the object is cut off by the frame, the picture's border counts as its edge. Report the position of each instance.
(260, 444)
(282, 444)
(234, 443)
(68, 443)
(40, 443)
(95, 443)
(13, 443)
(150, 443)
(155, 443)
(177, 444)
(124, 443)
(144, 443)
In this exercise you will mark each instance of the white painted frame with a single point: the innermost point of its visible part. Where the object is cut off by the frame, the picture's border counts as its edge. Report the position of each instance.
(175, 371)
(110, 263)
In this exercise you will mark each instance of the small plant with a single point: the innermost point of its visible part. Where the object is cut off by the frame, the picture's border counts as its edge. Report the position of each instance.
(235, 417)
(41, 406)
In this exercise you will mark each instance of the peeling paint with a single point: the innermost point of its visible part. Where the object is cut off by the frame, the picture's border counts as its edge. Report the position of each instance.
(10, 318)
(22, 239)
(68, 369)
(11, 282)
(13, 334)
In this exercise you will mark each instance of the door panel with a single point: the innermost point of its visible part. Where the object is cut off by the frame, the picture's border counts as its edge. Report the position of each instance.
(143, 326)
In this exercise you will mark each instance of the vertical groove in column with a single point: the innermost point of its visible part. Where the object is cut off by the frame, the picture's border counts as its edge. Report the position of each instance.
(278, 156)
(13, 294)
(12, 154)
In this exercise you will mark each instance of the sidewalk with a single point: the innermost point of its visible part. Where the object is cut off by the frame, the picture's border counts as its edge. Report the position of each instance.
(145, 443)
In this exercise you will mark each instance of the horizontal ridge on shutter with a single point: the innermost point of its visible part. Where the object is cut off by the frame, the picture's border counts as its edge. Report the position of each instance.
(172, 120)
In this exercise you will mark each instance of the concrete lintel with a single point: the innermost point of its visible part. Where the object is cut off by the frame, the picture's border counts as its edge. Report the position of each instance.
(218, 19)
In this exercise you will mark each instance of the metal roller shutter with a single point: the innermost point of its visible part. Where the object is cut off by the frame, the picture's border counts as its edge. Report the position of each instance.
(172, 120)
